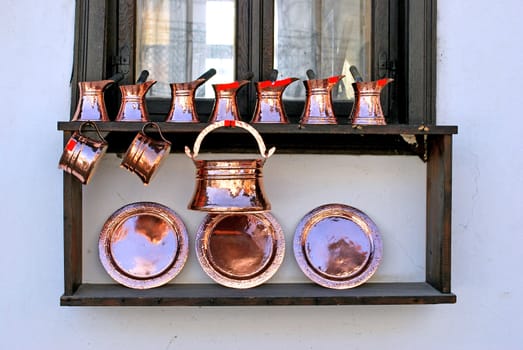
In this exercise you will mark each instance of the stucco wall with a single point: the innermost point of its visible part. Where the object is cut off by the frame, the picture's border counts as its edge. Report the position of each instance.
(480, 64)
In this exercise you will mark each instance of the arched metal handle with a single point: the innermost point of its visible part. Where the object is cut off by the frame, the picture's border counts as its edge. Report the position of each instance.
(80, 129)
(229, 123)
(155, 125)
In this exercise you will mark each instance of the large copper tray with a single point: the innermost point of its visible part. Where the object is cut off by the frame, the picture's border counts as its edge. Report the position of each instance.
(337, 246)
(240, 250)
(143, 245)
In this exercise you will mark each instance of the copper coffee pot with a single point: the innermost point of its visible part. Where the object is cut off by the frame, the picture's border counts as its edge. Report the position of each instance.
(91, 104)
(225, 105)
(133, 107)
(318, 104)
(182, 99)
(367, 105)
(269, 105)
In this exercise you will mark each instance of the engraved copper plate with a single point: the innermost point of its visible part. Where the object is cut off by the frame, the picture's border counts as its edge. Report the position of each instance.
(240, 250)
(337, 246)
(143, 245)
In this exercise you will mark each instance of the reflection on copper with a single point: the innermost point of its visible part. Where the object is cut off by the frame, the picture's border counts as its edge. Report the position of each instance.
(344, 258)
(225, 104)
(82, 154)
(143, 245)
(318, 101)
(91, 104)
(367, 105)
(337, 246)
(269, 105)
(229, 185)
(133, 107)
(240, 250)
(240, 246)
(152, 227)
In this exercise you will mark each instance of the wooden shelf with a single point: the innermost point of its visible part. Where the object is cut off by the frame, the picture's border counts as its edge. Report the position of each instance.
(267, 294)
(288, 138)
(344, 129)
(433, 145)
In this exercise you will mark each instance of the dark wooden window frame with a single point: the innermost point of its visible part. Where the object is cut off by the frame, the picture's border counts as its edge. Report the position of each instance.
(105, 44)
(432, 143)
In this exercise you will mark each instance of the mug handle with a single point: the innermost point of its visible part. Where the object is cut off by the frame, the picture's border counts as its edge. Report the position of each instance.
(95, 128)
(229, 123)
(157, 128)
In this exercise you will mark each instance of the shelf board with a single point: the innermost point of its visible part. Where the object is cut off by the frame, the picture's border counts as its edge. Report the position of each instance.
(398, 139)
(338, 129)
(267, 294)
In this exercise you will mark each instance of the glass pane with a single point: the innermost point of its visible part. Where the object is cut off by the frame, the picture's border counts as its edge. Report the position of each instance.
(327, 36)
(178, 40)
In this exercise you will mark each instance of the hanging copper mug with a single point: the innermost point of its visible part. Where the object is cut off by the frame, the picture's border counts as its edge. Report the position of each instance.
(229, 185)
(367, 105)
(183, 109)
(225, 105)
(133, 107)
(318, 103)
(82, 154)
(145, 154)
(269, 105)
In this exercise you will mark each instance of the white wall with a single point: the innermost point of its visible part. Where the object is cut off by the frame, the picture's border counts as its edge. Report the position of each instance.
(480, 64)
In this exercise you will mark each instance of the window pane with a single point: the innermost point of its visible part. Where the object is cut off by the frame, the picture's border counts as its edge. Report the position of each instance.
(178, 40)
(327, 36)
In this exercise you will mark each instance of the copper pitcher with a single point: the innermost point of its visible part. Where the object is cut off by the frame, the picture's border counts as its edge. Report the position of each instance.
(228, 186)
(367, 105)
(318, 103)
(225, 105)
(183, 109)
(91, 104)
(269, 105)
(133, 107)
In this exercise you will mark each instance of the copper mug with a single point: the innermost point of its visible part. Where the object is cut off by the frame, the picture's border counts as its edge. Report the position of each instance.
(145, 154)
(227, 186)
(82, 154)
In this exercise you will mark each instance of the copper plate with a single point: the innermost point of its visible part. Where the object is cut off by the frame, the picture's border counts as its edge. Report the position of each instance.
(240, 250)
(337, 246)
(143, 245)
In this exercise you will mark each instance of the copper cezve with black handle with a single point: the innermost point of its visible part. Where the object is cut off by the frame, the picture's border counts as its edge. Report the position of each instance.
(91, 104)
(183, 108)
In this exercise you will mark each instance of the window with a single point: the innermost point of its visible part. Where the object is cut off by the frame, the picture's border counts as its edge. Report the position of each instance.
(177, 40)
